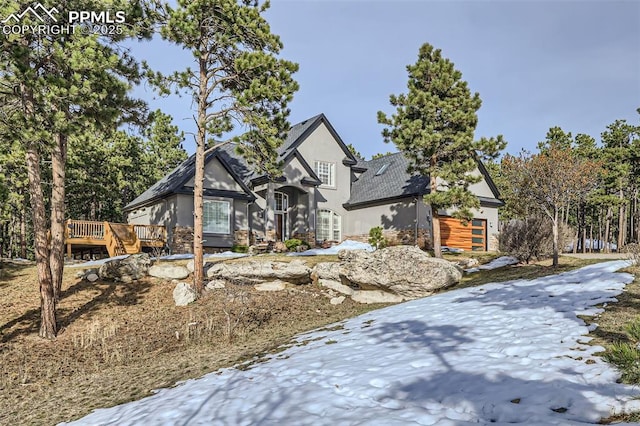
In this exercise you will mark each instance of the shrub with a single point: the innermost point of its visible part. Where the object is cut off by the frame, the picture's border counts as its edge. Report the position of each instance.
(240, 248)
(527, 239)
(633, 252)
(293, 244)
(376, 238)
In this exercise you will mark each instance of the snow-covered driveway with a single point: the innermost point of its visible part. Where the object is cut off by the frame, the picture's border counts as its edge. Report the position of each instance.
(500, 353)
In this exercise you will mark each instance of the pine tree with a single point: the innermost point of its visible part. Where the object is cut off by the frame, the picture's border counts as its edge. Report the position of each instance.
(617, 150)
(238, 84)
(434, 126)
(53, 86)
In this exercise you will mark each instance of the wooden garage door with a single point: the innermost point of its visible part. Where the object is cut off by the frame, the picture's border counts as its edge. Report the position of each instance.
(471, 236)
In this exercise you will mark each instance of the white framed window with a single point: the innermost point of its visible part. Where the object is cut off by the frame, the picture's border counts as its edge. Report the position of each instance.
(282, 201)
(216, 217)
(326, 172)
(328, 226)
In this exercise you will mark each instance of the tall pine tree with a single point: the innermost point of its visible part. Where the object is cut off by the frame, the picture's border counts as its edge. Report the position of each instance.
(434, 126)
(238, 85)
(53, 86)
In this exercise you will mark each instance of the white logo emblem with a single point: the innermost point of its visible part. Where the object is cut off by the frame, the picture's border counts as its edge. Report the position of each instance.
(38, 12)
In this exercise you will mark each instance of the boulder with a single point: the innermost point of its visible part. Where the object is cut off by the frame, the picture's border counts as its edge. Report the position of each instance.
(92, 278)
(375, 296)
(326, 271)
(466, 262)
(336, 286)
(191, 266)
(271, 286)
(168, 271)
(279, 247)
(184, 293)
(337, 300)
(128, 269)
(215, 285)
(405, 271)
(256, 272)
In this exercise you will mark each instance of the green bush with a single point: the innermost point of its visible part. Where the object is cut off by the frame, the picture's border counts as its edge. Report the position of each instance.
(376, 238)
(293, 244)
(239, 248)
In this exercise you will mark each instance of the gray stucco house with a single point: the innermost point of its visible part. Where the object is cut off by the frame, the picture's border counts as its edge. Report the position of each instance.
(325, 193)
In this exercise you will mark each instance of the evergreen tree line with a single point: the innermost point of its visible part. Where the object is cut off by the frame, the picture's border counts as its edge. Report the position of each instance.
(596, 184)
(66, 96)
(104, 172)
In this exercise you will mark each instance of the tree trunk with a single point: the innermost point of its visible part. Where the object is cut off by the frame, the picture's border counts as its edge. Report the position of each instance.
(3, 237)
(435, 218)
(607, 230)
(576, 240)
(555, 237)
(11, 233)
(635, 219)
(56, 255)
(621, 220)
(198, 190)
(591, 238)
(48, 327)
(23, 233)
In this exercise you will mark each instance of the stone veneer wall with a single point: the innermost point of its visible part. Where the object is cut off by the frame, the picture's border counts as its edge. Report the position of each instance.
(241, 238)
(270, 235)
(182, 240)
(400, 237)
(494, 244)
(307, 237)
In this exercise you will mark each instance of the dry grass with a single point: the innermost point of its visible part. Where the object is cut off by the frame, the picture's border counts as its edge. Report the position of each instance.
(118, 341)
(525, 271)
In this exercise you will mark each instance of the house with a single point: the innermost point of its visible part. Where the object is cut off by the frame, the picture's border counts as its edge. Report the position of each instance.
(325, 193)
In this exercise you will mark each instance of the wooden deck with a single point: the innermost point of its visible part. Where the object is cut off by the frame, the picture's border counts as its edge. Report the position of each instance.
(117, 238)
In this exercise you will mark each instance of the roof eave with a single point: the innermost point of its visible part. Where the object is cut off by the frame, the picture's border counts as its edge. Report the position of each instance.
(387, 200)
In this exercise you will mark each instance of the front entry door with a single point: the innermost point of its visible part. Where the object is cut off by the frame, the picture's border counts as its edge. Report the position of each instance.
(281, 216)
(279, 227)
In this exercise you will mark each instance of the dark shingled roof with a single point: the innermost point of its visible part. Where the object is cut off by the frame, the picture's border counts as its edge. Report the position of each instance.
(294, 134)
(394, 182)
(167, 185)
(175, 180)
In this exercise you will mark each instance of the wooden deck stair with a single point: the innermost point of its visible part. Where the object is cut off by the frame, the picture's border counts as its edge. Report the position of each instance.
(122, 239)
(117, 238)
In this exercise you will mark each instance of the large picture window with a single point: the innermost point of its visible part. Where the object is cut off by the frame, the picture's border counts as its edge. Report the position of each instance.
(325, 172)
(328, 226)
(217, 217)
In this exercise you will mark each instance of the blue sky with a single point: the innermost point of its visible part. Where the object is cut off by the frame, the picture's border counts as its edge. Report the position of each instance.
(536, 64)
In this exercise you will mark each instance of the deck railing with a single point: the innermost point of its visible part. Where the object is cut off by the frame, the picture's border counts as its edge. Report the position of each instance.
(150, 232)
(118, 238)
(84, 229)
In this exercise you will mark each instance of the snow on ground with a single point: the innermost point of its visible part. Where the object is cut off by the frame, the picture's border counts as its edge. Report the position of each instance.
(99, 262)
(495, 264)
(345, 245)
(501, 353)
(445, 249)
